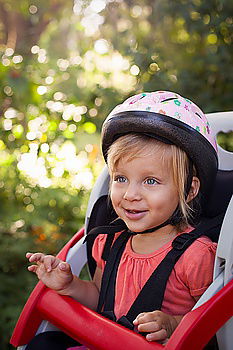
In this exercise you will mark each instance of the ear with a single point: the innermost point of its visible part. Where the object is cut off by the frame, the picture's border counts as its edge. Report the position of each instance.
(194, 189)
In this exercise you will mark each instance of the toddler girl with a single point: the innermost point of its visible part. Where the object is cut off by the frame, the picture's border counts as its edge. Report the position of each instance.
(162, 162)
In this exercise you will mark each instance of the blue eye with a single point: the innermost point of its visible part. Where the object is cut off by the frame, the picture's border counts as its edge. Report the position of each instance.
(120, 179)
(151, 181)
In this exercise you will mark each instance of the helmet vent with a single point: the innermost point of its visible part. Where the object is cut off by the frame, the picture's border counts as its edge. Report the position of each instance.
(169, 99)
(198, 115)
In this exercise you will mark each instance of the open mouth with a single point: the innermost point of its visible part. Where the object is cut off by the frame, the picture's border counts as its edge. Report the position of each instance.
(134, 212)
(134, 215)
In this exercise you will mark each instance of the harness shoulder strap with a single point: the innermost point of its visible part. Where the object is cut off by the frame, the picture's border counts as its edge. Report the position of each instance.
(107, 246)
(110, 231)
(110, 272)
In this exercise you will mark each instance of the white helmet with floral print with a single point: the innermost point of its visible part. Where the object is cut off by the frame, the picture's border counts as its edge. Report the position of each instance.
(172, 118)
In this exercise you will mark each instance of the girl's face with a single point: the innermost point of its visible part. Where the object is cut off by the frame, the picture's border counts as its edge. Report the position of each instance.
(143, 192)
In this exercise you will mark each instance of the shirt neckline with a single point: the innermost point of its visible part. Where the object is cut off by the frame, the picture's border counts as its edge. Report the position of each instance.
(167, 246)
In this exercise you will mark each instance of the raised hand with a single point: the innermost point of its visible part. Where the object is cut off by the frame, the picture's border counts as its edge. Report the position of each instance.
(53, 272)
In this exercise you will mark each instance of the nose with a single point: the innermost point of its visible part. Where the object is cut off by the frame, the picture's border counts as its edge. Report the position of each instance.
(132, 193)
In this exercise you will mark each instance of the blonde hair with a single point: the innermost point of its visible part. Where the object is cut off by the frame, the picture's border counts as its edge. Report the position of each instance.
(131, 146)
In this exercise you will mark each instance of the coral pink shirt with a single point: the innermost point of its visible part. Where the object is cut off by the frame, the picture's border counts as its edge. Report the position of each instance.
(189, 278)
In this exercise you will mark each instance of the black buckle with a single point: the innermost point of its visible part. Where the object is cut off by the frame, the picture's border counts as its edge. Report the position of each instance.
(125, 322)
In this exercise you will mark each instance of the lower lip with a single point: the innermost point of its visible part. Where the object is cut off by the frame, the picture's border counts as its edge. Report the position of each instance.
(134, 216)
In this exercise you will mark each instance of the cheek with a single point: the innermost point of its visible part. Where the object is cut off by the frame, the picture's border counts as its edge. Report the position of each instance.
(113, 194)
(115, 197)
(166, 200)
(174, 199)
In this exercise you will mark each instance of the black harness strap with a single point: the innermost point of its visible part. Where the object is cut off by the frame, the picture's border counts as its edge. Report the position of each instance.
(107, 246)
(110, 272)
(110, 231)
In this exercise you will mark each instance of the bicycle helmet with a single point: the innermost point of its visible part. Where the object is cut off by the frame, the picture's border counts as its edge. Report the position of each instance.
(173, 119)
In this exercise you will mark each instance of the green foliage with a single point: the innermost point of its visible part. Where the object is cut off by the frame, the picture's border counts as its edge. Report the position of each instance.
(63, 66)
(225, 140)
(56, 216)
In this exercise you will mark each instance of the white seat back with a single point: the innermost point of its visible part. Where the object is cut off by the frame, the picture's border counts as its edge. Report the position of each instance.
(223, 271)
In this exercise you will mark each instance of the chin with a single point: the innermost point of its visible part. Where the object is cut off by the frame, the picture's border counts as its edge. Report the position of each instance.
(136, 229)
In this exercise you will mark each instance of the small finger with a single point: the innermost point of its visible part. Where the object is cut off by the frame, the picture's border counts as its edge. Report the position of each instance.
(145, 317)
(136, 321)
(38, 257)
(32, 268)
(149, 327)
(161, 335)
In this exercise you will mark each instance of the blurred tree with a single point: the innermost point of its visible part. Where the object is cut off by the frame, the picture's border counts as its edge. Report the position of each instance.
(185, 46)
(24, 21)
(63, 66)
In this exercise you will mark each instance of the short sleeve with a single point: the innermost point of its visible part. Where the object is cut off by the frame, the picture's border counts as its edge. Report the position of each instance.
(97, 249)
(198, 265)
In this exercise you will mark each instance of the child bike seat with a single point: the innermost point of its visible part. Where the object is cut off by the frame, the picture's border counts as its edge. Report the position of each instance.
(46, 310)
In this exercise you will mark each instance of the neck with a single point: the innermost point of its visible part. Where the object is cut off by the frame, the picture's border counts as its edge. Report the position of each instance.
(147, 243)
